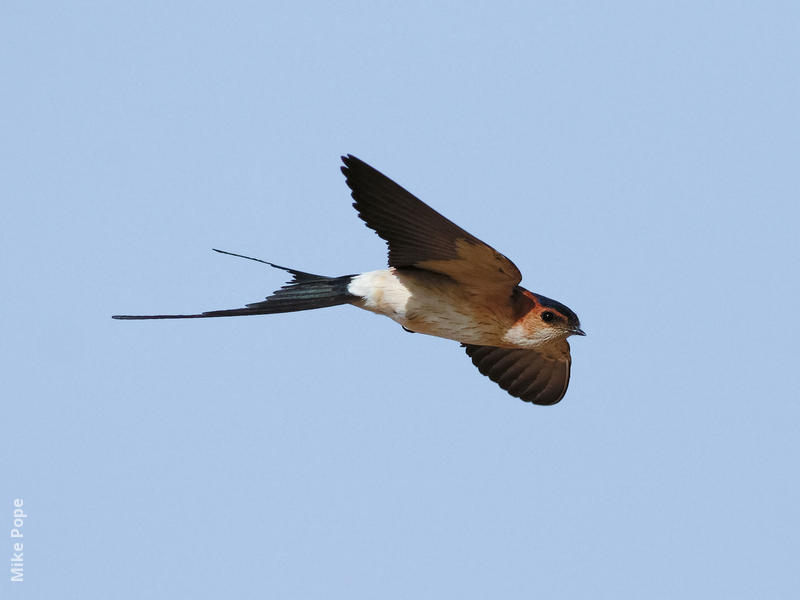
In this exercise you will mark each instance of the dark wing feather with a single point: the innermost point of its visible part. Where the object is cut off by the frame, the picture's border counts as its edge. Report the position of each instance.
(538, 376)
(418, 236)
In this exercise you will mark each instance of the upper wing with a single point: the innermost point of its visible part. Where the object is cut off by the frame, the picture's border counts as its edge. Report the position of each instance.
(538, 376)
(418, 236)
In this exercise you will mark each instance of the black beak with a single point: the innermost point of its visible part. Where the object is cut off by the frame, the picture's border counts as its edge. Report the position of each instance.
(577, 331)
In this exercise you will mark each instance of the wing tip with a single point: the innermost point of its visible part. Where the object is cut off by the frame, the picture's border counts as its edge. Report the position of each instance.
(348, 161)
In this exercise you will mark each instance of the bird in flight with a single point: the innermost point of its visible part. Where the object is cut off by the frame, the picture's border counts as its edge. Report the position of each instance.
(441, 281)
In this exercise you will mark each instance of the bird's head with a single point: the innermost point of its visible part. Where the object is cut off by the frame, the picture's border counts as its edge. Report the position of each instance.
(556, 317)
(543, 320)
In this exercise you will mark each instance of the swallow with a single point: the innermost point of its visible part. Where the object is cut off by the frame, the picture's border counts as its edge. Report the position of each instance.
(441, 281)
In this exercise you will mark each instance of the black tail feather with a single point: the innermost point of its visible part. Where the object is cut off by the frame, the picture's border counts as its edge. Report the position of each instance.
(306, 291)
(297, 275)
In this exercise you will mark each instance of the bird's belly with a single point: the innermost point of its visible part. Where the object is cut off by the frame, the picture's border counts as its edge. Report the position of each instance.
(429, 303)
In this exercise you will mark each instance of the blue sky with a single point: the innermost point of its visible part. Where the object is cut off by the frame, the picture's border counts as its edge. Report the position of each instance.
(637, 161)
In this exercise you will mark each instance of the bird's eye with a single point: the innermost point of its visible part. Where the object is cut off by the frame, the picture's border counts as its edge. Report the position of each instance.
(547, 316)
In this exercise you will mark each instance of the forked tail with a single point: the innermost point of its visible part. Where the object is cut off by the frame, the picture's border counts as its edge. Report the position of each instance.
(304, 292)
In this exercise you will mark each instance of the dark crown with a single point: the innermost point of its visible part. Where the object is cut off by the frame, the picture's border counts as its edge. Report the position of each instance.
(572, 318)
